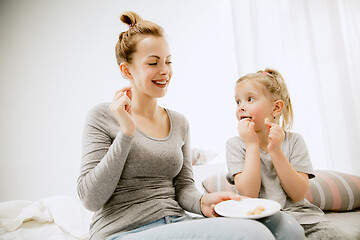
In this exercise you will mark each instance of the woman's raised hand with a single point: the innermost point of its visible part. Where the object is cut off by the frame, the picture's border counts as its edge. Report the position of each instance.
(121, 108)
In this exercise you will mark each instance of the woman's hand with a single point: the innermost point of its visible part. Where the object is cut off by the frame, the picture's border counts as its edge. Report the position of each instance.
(208, 201)
(276, 137)
(246, 130)
(121, 108)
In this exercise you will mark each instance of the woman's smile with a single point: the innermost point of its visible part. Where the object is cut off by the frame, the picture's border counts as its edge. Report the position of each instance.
(161, 83)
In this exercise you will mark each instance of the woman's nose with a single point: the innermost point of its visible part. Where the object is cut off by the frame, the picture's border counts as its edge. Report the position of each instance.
(165, 69)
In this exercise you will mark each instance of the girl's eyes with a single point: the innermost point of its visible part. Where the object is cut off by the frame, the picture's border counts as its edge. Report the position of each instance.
(250, 99)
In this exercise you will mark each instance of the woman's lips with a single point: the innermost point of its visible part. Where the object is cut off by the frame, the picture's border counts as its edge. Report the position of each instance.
(160, 83)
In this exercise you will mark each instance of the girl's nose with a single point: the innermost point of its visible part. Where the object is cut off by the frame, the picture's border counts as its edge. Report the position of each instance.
(241, 107)
(240, 110)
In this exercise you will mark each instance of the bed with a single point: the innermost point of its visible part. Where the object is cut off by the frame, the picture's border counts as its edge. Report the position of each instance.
(64, 217)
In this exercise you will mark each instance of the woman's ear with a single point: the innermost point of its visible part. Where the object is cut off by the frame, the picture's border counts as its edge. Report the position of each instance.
(124, 68)
(279, 105)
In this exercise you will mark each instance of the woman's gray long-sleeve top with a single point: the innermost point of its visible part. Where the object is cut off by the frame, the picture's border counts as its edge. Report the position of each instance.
(131, 181)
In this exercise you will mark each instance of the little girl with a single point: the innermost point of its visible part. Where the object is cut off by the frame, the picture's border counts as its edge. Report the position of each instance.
(268, 161)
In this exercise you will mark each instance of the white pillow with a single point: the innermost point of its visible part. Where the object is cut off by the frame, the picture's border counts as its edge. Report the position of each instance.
(200, 156)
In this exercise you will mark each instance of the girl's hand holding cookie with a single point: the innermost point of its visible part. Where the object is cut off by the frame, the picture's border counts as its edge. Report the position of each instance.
(121, 108)
(246, 129)
(276, 136)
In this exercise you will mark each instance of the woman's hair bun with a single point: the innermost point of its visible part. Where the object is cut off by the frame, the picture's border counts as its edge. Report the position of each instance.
(138, 28)
(130, 18)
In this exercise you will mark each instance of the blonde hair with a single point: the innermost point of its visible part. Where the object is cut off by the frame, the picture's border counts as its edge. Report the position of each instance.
(275, 85)
(138, 29)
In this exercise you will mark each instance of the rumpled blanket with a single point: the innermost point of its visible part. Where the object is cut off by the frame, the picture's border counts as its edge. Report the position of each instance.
(64, 211)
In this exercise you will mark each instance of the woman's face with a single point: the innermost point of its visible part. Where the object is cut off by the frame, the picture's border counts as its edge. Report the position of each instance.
(151, 67)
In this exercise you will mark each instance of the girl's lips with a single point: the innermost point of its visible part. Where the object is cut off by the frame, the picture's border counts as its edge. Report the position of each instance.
(244, 117)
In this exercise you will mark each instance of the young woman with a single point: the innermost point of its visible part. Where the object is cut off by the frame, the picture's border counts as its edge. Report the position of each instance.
(136, 172)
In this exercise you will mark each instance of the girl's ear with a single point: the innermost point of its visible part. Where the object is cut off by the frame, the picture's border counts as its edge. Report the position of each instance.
(279, 105)
(124, 68)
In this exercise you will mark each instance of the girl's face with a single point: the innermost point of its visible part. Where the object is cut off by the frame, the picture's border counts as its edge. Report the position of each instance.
(253, 103)
(151, 66)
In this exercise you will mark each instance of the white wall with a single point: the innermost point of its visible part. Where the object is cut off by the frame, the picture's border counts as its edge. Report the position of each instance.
(315, 45)
(57, 61)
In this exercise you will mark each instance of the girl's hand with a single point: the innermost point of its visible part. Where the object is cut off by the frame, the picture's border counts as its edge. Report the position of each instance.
(247, 131)
(276, 136)
(208, 201)
(121, 108)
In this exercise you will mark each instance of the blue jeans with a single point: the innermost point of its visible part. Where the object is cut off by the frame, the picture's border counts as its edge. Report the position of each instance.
(278, 226)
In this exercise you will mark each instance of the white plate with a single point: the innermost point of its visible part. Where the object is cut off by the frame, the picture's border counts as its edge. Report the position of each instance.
(239, 209)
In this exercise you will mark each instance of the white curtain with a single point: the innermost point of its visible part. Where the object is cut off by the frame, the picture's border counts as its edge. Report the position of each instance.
(315, 44)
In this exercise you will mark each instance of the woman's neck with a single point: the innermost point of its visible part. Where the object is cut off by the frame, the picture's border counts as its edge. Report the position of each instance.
(144, 105)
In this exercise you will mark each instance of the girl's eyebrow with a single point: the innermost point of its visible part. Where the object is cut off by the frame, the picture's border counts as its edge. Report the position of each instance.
(250, 93)
(237, 97)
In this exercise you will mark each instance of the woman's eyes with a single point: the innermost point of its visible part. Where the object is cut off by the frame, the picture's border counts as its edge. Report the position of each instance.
(154, 64)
